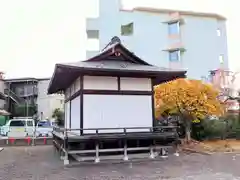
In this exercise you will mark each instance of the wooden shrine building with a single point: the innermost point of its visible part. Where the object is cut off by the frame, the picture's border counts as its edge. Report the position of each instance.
(109, 105)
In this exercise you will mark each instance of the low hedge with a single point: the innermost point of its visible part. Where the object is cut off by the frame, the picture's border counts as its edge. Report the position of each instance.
(223, 128)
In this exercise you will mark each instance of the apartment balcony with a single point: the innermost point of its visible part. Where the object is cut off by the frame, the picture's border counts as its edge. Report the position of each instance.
(27, 92)
(175, 17)
(92, 24)
(175, 47)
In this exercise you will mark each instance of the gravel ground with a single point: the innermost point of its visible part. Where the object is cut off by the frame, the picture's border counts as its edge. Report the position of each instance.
(40, 163)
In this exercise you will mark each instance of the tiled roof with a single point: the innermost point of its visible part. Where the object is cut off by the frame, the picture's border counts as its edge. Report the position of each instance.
(118, 65)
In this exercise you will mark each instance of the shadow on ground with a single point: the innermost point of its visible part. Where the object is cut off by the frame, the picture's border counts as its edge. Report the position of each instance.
(40, 162)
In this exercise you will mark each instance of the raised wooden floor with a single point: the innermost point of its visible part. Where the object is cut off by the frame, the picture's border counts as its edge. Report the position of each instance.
(123, 143)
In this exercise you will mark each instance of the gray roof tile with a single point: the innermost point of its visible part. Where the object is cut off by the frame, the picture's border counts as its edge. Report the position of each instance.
(119, 65)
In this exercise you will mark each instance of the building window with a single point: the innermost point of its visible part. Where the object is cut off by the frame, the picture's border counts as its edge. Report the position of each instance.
(221, 59)
(174, 56)
(93, 34)
(218, 32)
(127, 29)
(174, 28)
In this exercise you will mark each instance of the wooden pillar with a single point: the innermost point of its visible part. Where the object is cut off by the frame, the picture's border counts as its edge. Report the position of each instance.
(153, 104)
(152, 156)
(97, 159)
(81, 104)
(125, 157)
(65, 147)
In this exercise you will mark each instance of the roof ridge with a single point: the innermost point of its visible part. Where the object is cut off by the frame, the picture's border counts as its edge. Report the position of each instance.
(113, 42)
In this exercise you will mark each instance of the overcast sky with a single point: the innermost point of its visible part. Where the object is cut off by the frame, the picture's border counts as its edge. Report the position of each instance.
(34, 35)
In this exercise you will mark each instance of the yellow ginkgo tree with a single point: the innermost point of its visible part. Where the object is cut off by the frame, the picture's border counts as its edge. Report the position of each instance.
(190, 99)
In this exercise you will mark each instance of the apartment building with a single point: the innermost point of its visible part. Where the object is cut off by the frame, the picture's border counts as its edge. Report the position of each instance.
(193, 41)
(28, 97)
(2, 96)
(48, 103)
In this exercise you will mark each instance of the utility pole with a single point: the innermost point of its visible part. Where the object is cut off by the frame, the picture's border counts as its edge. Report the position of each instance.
(8, 99)
(238, 100)
(25, 91)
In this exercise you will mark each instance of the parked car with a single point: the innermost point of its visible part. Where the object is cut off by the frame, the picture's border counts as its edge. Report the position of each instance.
(44, 128)
(18, 125)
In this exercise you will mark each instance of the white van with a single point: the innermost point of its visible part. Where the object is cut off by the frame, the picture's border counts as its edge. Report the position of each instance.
(21, 126)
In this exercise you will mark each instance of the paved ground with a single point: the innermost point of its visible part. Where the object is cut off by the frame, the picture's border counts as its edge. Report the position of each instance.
(40, 163)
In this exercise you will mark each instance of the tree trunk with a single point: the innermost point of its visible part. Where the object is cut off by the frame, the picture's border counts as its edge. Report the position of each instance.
(188, 134)
(188, 131)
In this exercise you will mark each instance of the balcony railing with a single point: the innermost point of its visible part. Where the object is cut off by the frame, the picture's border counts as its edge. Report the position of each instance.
(26, 91)
(34, 92)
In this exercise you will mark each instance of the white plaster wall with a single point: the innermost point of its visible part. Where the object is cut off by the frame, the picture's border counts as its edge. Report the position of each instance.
(75, 86)
(67, 115)
(135, 84)
(100, 83)
(117, 111)
(68, 92)
(75, 115)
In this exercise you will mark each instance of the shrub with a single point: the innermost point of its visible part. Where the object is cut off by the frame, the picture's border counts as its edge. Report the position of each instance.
(222, 128)
(59, 116)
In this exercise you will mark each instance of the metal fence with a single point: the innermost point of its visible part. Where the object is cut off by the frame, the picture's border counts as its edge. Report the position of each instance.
(20, 139)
